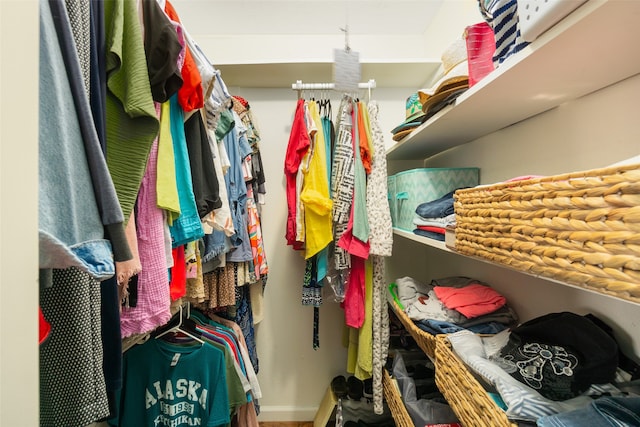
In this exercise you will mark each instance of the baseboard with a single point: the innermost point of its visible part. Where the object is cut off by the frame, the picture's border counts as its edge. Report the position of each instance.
(286, 413)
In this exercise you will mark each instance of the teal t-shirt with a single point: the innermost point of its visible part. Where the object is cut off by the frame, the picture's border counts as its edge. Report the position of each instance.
(167, 385)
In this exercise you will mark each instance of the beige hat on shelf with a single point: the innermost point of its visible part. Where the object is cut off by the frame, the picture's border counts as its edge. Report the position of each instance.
(456, 71)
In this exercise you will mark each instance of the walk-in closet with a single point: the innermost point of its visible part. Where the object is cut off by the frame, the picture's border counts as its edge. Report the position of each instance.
(239, 241)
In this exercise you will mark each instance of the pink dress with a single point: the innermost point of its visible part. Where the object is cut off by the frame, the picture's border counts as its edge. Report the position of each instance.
(152, 308)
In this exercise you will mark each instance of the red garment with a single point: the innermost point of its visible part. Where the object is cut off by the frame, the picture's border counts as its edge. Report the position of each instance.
(471, 301)
(352, 244)
(298, 146)
(355, 293)
(44, 327)
(190, 95)
(242, 101)
(178, 285)
(439, 230)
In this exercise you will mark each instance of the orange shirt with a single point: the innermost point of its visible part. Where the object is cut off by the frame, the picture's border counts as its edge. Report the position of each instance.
(363, 132)
(190, 95)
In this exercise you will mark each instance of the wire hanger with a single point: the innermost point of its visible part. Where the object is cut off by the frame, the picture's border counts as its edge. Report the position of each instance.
(185, 326)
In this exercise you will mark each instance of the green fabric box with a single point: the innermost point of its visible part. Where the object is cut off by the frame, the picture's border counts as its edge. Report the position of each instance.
(416, 186)
(391, 196)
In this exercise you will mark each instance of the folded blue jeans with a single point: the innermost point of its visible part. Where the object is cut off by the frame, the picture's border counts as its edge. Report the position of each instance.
(438, 208)
(603, 412)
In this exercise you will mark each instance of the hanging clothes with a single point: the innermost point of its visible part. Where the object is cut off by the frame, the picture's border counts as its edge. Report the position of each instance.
(237, 190)
(190, 95)
(381, 244)
(315, 193)
(167, 183)
(203, 174)
(70, 234)
(132, 123)
(184, 386)
(342, 180)
(297, 147)
(162, 48)
(72, 384)
(152, 308)
(187, 227)
(378, 212)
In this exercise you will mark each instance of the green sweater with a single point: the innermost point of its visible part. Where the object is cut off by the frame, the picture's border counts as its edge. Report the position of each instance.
(132, 123)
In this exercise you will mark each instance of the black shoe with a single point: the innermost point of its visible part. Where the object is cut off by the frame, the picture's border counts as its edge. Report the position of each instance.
(367, 390)
(339, 387)
(355, 388)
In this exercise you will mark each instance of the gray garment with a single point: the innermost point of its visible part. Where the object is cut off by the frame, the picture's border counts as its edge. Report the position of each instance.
(70, 228)
(409, 289)
(103, 188)
(72, 385)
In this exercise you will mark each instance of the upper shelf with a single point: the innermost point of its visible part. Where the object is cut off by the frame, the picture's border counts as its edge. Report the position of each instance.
(593, 47)
(407, 73)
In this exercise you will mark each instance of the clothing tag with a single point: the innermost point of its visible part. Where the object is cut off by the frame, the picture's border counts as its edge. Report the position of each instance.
(346, 70)
(174, 361)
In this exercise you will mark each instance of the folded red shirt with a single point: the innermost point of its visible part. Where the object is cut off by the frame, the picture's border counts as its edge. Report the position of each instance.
(471, 301)
(431, 228)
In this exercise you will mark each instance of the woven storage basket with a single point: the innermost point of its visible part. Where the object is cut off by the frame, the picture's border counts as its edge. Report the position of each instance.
(467, 398)
(425, 340)
(581, 228)
(394, 401)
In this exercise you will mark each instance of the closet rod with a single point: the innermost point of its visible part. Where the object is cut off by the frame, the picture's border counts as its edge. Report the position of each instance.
(298, 85)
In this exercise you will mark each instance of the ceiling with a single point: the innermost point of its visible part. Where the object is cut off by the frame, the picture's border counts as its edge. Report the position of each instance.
(306, 17)
(273, 43)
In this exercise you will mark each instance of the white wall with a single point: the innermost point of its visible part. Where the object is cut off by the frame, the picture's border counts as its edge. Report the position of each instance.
(293, 376)
(18, 213)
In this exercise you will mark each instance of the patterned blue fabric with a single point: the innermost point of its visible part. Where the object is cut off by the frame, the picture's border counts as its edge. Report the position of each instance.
(603, 412)
(502, 16)
(436, 327)
(237, 193)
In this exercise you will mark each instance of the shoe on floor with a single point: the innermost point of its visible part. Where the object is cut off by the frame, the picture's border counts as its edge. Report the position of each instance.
(339, 387)
(355, 388)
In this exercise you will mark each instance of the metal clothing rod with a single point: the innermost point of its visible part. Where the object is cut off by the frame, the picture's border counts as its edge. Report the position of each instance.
(298, 85)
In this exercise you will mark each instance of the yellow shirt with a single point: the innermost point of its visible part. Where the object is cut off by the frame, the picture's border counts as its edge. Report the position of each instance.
(166, 185)
(315, 193)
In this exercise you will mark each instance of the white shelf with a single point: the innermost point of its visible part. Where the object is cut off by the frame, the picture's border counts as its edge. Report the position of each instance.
(593, 47)
(420, 239)
(407, 73)
(441, 246)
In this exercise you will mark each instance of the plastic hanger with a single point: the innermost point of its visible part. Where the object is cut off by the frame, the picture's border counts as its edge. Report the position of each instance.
(185, 326)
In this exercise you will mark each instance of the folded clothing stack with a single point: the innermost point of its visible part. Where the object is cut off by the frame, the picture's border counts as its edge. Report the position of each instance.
(432, 217)
(554, 364)
(454, 303)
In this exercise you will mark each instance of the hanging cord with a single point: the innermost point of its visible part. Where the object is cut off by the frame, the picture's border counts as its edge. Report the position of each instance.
(345, 30)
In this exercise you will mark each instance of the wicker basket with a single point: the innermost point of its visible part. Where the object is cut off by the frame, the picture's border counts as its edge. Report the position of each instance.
(425, 340)
(467, 398)
(581, 228)
(394, 401)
